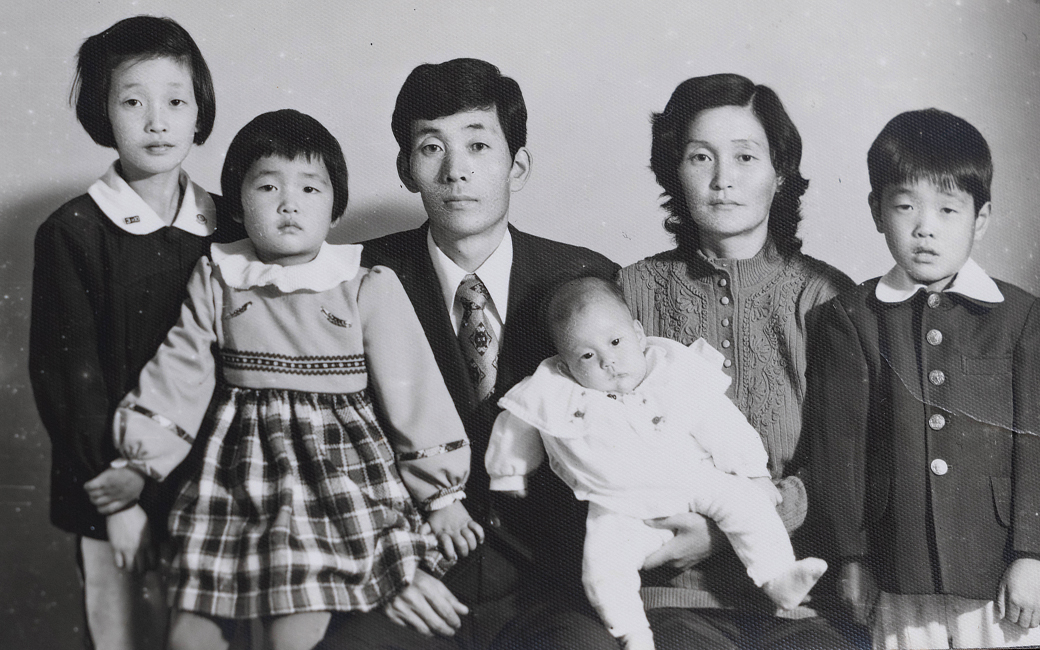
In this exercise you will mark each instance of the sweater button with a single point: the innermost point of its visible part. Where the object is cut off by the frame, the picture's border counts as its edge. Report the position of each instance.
(725, 322)
(727, 363)
(726, 343)
(723, 282)
(939, 467)
(724, 300)
(934, 337)
(937, 377)
(936, 422)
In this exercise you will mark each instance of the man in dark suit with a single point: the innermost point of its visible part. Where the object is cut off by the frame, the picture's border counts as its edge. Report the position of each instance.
(477, 285)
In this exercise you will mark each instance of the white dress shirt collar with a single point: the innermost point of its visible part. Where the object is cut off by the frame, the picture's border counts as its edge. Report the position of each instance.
(127, 210)
(971, 281)
(494, 273)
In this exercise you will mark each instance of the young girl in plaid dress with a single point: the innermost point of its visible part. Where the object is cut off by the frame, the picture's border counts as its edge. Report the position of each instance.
(331, 420)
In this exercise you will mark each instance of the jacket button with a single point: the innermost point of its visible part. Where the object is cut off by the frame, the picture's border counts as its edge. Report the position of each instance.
(937, 377)
(937, 422)
(933, 300)
(939, 467)
(934, 337)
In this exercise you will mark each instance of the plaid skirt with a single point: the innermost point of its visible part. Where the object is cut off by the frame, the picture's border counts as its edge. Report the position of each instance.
(296, 506)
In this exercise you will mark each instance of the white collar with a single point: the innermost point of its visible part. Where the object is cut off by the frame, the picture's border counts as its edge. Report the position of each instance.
(494, 273)
(127, 210)
(971, 281)
(242, 269)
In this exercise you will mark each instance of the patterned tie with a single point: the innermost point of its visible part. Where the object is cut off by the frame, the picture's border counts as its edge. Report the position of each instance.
(476, 338)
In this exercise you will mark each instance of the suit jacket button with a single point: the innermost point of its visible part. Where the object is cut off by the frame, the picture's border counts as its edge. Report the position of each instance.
(936, 422)
(939, 467)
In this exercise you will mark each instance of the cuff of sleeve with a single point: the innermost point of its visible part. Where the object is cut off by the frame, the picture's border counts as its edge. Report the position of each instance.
(508, 483)
(444, 498)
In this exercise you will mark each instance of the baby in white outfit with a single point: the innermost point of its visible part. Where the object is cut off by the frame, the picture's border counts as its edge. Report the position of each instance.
(641, 428)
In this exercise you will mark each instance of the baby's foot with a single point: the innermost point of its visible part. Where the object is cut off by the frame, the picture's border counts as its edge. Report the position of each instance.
(789, 589)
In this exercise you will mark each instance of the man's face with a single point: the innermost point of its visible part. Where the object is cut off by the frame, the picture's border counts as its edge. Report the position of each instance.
(462, 167)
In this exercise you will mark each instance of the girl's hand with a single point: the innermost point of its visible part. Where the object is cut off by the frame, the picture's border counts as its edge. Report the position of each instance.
(1018, 594)
(455, 530)
(114, 489)
(858, 589)
(130, 539)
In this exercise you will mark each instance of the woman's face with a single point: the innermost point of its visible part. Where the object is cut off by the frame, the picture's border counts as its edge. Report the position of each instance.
(728, 179)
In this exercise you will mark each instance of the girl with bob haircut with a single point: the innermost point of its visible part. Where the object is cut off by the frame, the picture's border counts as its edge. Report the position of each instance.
(111, 268)
(727, 156)
(330, 428)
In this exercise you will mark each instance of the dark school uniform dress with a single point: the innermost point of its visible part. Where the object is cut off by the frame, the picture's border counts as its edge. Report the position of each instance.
(108, 281)
(924, 409)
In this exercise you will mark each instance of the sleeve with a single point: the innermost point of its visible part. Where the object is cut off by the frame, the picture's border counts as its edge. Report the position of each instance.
(64, 364)
(157, 423)
(514, 452)
(417, 412)
(1026, 388)
(836, 420)
(734, 445)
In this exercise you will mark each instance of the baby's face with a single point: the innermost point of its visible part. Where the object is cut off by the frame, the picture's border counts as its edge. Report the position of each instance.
(603, 348)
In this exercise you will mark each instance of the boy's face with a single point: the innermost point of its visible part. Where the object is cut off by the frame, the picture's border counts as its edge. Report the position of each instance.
(461, 166)
(287, 208)
(603, 348)
(930, 230)
(152, 109)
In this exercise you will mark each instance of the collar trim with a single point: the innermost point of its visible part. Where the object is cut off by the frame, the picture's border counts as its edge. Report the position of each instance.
(128, 211)
(971, 282)
(242, 269)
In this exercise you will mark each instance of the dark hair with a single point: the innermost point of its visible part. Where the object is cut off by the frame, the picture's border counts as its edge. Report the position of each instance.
(571, 297)
(287, 134)
(932, 145)
(785, 151)
(442, 89)
(139, 37)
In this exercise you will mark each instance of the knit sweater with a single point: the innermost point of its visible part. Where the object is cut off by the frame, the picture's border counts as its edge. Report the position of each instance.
(753, 311)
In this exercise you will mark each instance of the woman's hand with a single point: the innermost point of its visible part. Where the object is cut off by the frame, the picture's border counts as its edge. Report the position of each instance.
(857, 588)
(456, 532)
(130, 539)
(1018, 594)
(427, 607)
(114, 489)
(695, 540)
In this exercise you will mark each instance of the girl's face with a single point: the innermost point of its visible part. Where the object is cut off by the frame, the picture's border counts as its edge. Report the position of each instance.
(152, 109)
(727, 176)
(287, 208)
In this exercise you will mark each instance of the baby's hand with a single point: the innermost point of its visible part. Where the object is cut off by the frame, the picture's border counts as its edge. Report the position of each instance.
(114, 489)
(766, 485)
(130, 539)
(455, 530)
(1018, 594)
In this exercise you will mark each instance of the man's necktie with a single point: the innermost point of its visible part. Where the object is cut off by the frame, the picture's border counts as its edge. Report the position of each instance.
(476, 338)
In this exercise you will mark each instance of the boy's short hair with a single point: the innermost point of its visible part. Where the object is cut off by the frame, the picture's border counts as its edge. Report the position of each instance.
(287, 134)
(570, 297)
(139, 37)
(442, 89)
(669, 129)
(932, 145)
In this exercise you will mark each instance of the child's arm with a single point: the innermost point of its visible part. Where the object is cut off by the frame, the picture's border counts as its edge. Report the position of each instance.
(418, 414)
(64, 364)
(514, 452)
(835, 421)
(457, 534)
(115, 489)
(130, 539)
(156, 423)
(1018, 597)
